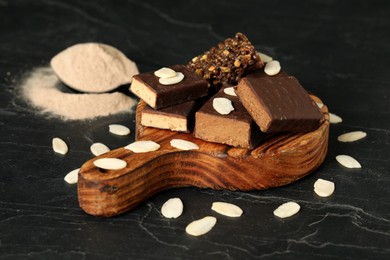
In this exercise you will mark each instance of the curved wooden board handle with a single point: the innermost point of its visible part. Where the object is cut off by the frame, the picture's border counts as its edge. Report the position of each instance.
(279, 160)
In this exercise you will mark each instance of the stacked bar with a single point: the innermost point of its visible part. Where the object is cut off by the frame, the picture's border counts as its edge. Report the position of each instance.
(224, 96)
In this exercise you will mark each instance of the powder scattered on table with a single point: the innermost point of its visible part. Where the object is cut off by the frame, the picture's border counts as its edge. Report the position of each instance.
(41, 88)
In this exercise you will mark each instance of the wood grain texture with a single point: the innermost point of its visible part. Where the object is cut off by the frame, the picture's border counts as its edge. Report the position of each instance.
(278, 161)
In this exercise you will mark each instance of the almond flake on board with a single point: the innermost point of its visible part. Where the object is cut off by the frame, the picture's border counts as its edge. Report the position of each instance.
(110, 163)
(287, 209)
(223, 105)
(143, 146)
(119, 129)
(72, 177)
(334, 119)
(320, 105)
(348, 161)
(59, 146)
(99, 149)
(201, 226)
(324, 188)
(183, 144)
(172, 208)
(227, 209)
(351, 136)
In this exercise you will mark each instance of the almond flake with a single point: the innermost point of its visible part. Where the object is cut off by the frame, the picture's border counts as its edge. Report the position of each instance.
(287, 209)
(272, 68)
(119, 129)
(59, 146)
(172, 208)
(351, 136)
(230, 91)
(348, 161)
(184, 145)
(324, 188)
(201, 226)
(264, 57)
(334, 119)
(320, 105)
(223, 106)
(110, 163)
(165, 73)
(99, 149)
(143, 146)
(73, 176)
(172, 80)
(227, 209)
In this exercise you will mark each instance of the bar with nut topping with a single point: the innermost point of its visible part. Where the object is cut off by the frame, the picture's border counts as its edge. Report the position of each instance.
(227, 62)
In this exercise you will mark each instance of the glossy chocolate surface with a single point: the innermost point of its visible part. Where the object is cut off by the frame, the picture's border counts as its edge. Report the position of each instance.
(190, 88)
(282, 99)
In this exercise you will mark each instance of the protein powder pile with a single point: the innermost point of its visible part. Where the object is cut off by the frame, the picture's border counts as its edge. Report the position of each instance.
(92, 68)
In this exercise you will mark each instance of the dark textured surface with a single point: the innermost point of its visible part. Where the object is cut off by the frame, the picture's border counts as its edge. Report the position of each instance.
(338, 50)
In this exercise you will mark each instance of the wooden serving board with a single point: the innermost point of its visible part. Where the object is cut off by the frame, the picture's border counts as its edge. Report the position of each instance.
(279, 160)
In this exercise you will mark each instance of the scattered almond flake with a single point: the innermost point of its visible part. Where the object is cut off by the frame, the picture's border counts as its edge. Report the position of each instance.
(272, 68)
(230, 91)
(73, 176)
(352, 136)
(99, 149)
(348, 161)
(264, 57)
(119, 129)
(320, 105)
(324, 188)
(184, 145)
(227, 209)
(172, 80)
(59, 146)
(201, 226)
(334, 119)
(165, 73)
(143, 146)
(287, 209)
(223, 106)
(172, 208)
(110, 163)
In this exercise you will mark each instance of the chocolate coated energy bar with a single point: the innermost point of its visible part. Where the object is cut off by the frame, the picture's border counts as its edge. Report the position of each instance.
(147, 87)
(176, 118)
(236, 129)
(278, 103)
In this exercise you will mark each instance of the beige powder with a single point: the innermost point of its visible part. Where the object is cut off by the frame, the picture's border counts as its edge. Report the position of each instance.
(93, 67)
(41, 89)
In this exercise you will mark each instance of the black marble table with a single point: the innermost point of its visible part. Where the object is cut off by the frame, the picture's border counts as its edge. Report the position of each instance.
(339, 50)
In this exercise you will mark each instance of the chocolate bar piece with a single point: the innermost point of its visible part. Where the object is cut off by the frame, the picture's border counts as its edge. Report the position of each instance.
(147, 87)
(236, 128)
(278, 103)
(176, 118)
(227, 62)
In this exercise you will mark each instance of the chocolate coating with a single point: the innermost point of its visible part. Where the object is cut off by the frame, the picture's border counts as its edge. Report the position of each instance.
(236, 129)
(177, 118)
(190, 88)
(278, 103)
